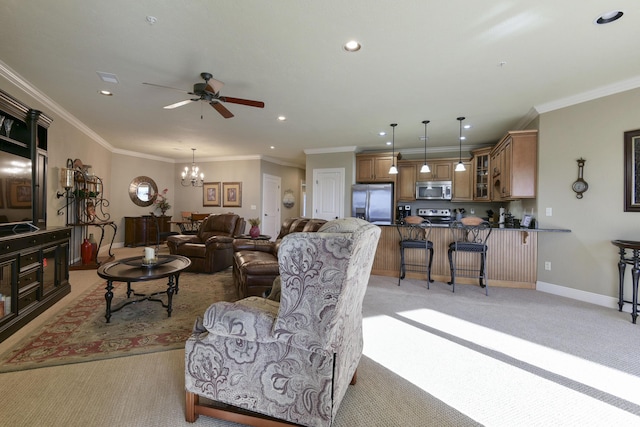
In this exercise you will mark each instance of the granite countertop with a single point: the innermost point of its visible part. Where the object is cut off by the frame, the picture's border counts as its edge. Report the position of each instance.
(496, 227)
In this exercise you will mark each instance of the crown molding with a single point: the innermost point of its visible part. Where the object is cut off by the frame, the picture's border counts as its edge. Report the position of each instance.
(600, 92)
(348, 149)
(141, 155)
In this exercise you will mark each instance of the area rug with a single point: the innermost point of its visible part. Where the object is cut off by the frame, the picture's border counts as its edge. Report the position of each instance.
(79, 333)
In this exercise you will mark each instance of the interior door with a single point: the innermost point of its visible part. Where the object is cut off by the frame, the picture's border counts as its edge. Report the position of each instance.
(270, 224)
(328, 193)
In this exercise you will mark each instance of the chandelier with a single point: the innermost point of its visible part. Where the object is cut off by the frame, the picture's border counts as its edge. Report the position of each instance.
(191, 177)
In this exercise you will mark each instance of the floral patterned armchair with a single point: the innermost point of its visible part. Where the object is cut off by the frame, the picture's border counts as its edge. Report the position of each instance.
(292, 360)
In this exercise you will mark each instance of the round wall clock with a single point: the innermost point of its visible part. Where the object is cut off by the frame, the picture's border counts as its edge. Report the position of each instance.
(580, 185)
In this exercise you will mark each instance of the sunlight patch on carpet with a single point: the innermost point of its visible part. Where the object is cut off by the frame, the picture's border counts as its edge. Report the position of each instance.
(486, 389)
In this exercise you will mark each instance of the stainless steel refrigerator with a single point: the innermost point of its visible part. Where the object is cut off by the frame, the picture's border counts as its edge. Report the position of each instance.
(372, 202)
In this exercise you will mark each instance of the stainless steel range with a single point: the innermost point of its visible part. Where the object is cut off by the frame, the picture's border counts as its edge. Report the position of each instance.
(437, 217)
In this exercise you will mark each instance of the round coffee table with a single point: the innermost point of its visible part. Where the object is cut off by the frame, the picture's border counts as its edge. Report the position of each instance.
(134, 270)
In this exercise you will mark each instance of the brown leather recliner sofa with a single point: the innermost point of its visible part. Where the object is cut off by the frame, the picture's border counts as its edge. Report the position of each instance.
(211, 249)
(255, 262)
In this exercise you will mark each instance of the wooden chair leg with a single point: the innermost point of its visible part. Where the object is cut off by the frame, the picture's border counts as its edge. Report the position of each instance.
(191, 400)
(354, 378)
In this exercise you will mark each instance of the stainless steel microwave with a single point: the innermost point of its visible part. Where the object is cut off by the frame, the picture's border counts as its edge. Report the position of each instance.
(433, 190)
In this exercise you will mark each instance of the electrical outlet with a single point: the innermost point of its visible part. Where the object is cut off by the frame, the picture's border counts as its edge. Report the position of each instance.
(549, 212)
(547, 265)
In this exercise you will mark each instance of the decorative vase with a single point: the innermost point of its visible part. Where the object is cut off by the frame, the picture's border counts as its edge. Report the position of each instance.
(254, 231)
(85, 251)
(94, 247)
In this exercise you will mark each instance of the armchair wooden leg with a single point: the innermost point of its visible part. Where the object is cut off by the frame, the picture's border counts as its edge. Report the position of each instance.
(191, 400)
(354, 378)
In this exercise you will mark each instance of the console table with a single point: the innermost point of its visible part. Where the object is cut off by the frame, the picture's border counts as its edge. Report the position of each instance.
(634, 260)
(141, 230)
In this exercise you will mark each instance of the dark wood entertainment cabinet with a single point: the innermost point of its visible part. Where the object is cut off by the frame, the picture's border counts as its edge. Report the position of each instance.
(141, 230)
(34, 275)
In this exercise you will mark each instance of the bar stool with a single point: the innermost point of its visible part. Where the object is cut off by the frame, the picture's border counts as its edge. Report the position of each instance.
(469, 235)
(414, 234)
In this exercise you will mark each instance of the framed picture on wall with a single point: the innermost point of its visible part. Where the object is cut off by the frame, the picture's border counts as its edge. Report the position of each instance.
(632, 171)
(232, 194)
(211, 194)
(18, 193)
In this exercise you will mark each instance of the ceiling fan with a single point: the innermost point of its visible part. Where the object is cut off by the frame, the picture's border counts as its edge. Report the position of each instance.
(209, 91)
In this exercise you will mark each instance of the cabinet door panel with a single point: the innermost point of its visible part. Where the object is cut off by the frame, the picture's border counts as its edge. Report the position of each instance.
(406, 187)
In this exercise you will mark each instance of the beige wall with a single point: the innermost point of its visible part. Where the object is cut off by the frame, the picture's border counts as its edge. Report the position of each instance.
(585, 258)
(126, 169)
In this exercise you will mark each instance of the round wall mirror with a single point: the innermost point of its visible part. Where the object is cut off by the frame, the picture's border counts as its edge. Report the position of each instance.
(143, 191)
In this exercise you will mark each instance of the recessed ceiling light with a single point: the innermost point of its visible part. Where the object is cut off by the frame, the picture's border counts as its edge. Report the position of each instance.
(105, 93)
(388, 142)
(467, 126)
(608, 17)
(272, 147)
(382, 133)
(282, 118)
(352, 46)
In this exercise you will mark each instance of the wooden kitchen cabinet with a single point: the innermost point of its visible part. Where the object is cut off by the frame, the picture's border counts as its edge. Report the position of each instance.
(440, 171)
(374, 168)
(482, 174)
(514, 166)
(462, 190)
(406, 184)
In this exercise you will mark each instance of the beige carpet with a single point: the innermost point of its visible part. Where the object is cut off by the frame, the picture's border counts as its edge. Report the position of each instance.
(432, 358)
(80, 333)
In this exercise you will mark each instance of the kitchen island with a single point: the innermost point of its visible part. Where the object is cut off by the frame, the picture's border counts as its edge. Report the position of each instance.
(512, 258)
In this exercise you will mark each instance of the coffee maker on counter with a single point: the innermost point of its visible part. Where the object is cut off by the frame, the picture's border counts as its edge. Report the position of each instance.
(403, 212)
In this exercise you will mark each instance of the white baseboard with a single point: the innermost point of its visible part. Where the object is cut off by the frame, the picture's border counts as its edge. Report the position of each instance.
(577, 294)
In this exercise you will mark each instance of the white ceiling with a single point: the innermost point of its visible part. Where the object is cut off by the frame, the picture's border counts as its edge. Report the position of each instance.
(433, 60)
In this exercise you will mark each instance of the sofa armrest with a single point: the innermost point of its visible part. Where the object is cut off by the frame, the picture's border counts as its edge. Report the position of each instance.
(224, 241)
(250, 319)
(181, 239)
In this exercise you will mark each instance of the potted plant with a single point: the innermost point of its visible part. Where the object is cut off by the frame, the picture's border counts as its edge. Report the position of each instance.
(254, 231)
(162, 202)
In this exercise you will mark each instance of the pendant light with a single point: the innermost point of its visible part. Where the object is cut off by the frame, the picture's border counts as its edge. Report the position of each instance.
(425, 168)
(393, 170)
(460, 166)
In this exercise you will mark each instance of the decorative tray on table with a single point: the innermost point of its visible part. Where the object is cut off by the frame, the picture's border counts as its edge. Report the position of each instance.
(142, 262)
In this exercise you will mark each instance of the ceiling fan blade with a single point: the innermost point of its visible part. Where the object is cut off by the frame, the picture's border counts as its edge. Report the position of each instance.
(214, 85)
(179, 104)
(165, 87)
(248, 102)
(221, 109)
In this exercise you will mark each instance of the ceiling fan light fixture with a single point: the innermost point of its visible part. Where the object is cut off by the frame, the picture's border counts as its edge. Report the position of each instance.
(460, 166)
(393, 170)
